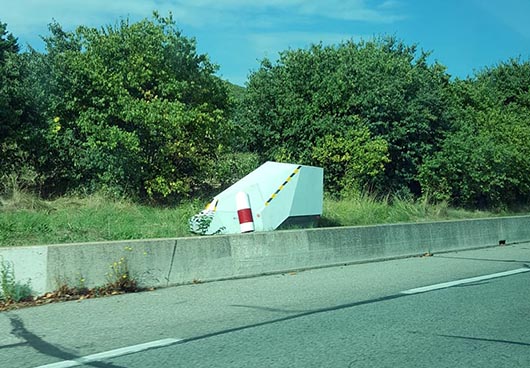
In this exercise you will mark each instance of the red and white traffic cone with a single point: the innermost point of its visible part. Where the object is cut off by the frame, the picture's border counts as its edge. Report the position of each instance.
(244, 212)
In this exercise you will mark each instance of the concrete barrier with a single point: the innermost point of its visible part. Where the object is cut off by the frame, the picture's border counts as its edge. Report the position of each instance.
(165, 262)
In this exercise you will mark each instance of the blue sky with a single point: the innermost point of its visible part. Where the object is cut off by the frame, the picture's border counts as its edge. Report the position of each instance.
(464, 35)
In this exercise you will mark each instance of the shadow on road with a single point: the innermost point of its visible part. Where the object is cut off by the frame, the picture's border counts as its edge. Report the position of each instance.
(269, 309)
(43, 347)
(486, 340)
(312, 312)
(13, 345)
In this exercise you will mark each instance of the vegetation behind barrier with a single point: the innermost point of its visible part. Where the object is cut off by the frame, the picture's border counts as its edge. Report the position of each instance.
(134, 111)
(33, 221)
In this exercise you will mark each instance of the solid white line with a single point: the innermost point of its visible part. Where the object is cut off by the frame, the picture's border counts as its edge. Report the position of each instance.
(464, 281)
(110, 354)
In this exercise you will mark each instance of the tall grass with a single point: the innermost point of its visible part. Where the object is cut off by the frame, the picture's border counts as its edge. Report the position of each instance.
(28, 220)
(91, 218)
(365, 209)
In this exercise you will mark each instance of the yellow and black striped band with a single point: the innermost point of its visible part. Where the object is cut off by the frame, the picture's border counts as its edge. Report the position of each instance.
(283, 185)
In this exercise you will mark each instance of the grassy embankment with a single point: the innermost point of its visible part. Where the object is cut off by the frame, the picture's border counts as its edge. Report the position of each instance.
(27, 220)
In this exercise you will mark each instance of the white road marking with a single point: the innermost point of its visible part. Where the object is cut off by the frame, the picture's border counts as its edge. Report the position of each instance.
(110, 354)
(464, 281)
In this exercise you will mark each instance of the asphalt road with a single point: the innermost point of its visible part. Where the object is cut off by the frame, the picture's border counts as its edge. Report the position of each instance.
(366, 315)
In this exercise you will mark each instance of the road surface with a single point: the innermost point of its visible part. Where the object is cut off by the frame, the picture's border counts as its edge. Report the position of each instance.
(464, 309)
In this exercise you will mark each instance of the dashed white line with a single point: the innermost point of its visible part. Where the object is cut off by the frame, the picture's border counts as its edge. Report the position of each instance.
(110, 354)
(464, 281)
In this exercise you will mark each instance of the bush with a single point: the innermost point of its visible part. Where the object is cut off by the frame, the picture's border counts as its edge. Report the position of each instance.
(485, 160)
(352, 162)
(230, 167)
(482, 167)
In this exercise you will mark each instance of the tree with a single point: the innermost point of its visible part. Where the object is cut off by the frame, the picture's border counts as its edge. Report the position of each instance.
(133, 108)
(308, 94)
(9, 91)
(485, 161)
(20, 120)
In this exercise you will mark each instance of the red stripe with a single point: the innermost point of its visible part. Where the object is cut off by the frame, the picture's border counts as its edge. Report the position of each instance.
(245, 215)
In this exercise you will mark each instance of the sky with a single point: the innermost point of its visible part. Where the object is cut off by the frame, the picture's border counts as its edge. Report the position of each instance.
(464, 35)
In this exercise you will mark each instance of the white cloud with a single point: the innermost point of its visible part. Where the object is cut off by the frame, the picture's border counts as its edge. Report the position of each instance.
(24, 16)
(332, 7)
(262, 27)
(270, 44)
(335, 9)
(356, 10)
(389, 4)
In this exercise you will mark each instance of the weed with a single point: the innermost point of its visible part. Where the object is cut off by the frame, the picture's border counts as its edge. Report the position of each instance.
(12, 291)
(200, 223)
(80, 285)
(120, 279)
(67, 287)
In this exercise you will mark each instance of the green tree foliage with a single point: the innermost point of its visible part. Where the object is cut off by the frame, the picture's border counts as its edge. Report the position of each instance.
(309, 94)
(352, 161)
(133, 108)
(20, 118)
(9, 96)
(485, 161)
